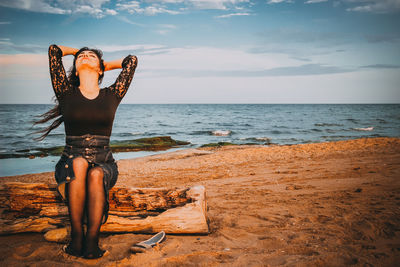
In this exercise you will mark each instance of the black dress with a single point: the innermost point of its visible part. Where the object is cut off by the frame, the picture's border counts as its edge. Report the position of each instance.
(88, 123)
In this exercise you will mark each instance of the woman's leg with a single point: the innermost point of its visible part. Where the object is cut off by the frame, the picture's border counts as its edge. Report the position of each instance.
(95, 209)
(76, 204)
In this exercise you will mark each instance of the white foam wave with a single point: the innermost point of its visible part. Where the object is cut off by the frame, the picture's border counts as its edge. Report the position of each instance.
(263, 138)
(137, 133)
(364, 129)
(256, 138)
(221, 132)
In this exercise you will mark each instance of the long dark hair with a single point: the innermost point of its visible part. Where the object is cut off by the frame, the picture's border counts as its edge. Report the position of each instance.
(55, 112)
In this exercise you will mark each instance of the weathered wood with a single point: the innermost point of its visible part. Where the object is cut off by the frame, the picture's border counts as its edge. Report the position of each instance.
(39, 208)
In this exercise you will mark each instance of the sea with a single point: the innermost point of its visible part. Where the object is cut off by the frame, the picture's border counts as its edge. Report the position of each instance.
(199, 124)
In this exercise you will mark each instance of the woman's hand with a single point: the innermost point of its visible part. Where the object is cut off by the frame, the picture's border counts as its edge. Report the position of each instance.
(68, 50)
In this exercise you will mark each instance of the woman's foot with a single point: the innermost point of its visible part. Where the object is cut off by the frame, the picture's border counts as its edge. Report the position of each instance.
(71, 251)
(97, 253)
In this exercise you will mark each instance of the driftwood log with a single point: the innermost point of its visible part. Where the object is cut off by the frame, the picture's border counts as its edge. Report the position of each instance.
(39, 208)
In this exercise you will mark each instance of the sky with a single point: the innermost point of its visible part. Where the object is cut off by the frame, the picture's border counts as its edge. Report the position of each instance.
(212, 51)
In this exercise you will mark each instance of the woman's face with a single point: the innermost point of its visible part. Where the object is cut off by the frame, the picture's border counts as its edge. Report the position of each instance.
(87, 60)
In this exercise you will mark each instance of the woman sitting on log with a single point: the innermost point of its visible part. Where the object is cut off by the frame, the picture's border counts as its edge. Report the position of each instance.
(86, 170)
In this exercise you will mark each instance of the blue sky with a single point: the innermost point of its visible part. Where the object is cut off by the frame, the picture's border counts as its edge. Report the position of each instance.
(221, 51)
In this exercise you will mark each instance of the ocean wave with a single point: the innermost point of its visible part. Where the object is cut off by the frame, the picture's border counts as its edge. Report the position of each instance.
(364, 129)
(221, 132)
(310, 130)
(124, 134)
(327, 124)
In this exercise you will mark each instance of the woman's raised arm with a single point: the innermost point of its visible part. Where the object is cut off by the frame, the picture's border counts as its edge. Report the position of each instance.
(58, 76)
(128, 65)
(68, 50)
(112, 65)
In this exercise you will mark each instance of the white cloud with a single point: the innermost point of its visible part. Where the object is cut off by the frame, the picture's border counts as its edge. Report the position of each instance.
(96, 8)
(125, 19)
(209, 61)
(216, 4)
(110, 12)
(314, 1)
(133, 7)
(34, 5)
(168, 26)
(141, 48)
(279, 1)
(373, 6)
(204, 4)
(165, 28)
(91, 7)
(7, 46)
(5, 22)
(233, 14)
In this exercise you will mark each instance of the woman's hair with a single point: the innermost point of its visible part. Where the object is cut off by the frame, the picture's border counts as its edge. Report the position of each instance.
(55, 112)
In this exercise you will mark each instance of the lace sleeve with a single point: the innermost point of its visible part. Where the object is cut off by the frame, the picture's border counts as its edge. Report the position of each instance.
(59, 79)
(121, 85)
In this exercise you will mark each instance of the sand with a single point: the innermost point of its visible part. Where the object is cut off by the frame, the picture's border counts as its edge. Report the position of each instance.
(323, 204)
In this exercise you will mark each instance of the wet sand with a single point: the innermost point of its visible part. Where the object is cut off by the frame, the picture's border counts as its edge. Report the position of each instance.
(323, 204)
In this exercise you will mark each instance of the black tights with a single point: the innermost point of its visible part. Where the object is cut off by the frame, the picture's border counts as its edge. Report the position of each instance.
(86, 191)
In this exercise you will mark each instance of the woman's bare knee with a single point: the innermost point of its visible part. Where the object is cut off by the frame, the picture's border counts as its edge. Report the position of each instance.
(80, 162)
(95, 175)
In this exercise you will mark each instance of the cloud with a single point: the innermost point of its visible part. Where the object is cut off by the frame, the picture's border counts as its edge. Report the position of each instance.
(126, 20)
(165, 28)
(301, 35)
(315, 1)
(7, 46)
(5, 22)
(373, 6)
(381, 66)
(233, 14)
(135, 7)
(216, 4)
(91, 7)
(33, 5)
(143, 49)
(279, 1)
(175, 7)
(96, 8)
(303, 70)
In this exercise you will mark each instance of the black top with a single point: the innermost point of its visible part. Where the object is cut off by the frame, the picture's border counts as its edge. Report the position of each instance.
(88, 116)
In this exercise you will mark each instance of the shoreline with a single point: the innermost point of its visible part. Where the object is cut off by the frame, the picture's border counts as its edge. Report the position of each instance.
(206, 147)
(331, 203)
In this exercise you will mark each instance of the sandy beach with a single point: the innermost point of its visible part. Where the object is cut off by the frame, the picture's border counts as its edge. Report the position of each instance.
(322, 204)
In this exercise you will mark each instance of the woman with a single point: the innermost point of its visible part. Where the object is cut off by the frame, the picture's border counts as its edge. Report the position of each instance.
(86, 170)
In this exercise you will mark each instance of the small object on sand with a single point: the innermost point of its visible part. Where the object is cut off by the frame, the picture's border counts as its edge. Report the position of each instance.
(149, 243)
